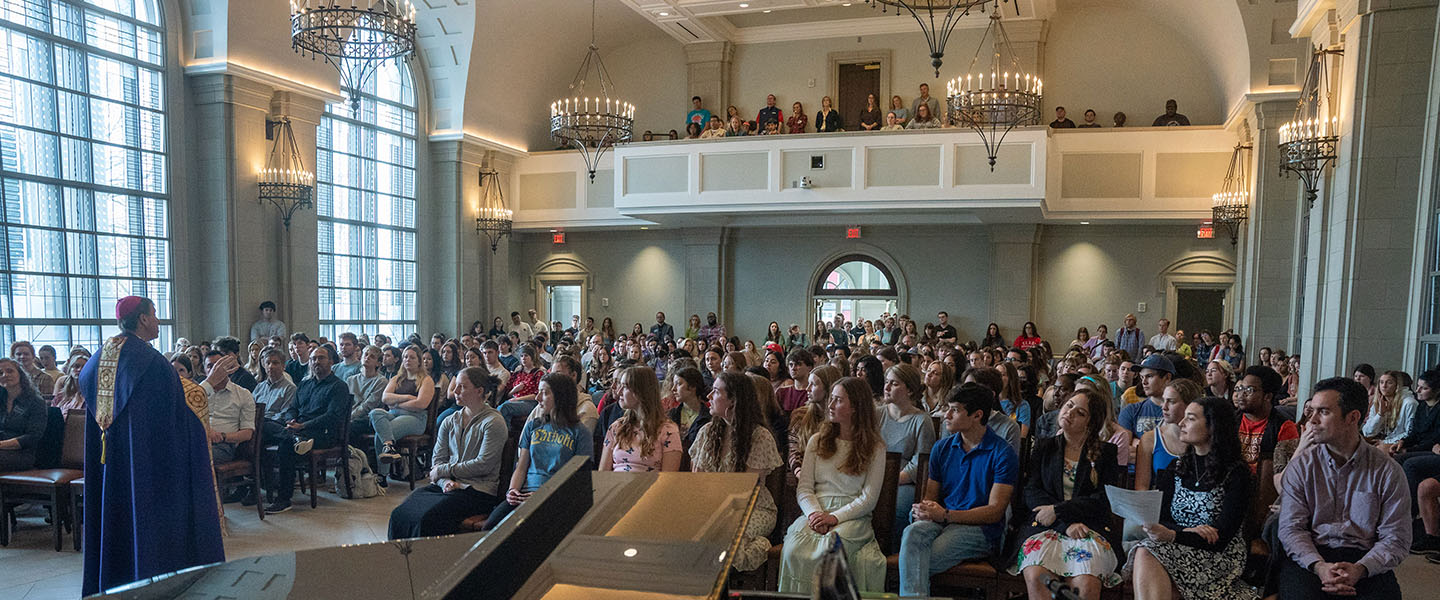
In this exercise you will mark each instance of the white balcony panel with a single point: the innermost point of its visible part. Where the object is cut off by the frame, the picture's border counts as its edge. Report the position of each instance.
(1166, 173)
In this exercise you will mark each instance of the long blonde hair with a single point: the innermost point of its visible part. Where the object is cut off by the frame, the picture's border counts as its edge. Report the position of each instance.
(864, 430)
(640, 426)
(807, 419)
(935, 399)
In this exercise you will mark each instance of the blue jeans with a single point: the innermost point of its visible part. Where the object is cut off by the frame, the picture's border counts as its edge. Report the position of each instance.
(517, 408)
(928, 548)
(394, 424)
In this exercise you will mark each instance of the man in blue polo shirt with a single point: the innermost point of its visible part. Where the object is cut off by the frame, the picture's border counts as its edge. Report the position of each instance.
(1156, 372)
(972, 474)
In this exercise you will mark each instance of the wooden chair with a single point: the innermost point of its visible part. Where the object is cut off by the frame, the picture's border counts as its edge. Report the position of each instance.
(922, 478)
(882, 520)
(319, 461)
(508, 455)
(77, 510)
(758, 578)
(413, 446)
(245, 469)
(47, 487)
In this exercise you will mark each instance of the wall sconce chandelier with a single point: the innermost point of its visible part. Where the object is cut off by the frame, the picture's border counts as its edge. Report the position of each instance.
(1310, 141)
(491, 216)
(285, 181)
(1231, 207)
(925, 13)
(996, 100)
(591, 122)
(353, 39)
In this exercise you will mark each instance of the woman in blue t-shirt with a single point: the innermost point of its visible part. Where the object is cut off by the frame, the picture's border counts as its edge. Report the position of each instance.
(1161, 446)
(546, 443)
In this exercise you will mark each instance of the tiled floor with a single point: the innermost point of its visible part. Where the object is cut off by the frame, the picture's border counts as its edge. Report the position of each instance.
(30, 569)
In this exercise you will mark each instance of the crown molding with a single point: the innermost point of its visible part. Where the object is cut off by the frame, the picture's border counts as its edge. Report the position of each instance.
(228, 67)
(484, 142)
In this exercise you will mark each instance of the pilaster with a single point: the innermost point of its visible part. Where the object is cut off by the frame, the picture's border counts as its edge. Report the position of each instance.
(1014, 251)
(1268, 281)
(708, 73)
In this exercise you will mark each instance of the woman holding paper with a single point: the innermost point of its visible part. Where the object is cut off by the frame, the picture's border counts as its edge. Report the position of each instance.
(1196, 547)
(1070, 535)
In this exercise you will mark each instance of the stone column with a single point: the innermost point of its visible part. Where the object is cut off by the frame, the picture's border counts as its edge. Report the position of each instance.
(708, 73)
(299, 268)
(229, 242)
(1014, 250)
(1363, 226)
(706, 274)
(1267, 281)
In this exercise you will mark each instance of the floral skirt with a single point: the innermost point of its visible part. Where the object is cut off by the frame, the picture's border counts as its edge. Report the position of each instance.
(1069, 557)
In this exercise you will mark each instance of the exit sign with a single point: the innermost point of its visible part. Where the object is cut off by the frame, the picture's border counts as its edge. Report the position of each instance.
(1205, 232)
(852, 233)
(557, 237)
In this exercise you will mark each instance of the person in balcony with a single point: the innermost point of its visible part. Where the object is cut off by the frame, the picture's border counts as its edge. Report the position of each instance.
(902, 114)
(892, 121)
(713, 129)
(692, 131)
(828, 119)
(769, 114)
(1060, 121)
(1089, 120)
(924, 119)
(738, 127)
(797, 121)
(870, 117)
(1171, 118)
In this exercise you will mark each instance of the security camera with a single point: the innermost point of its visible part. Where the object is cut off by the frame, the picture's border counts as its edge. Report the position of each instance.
(806, 183)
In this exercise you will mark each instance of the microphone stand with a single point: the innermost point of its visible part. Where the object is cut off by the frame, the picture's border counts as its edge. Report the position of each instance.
(1058, 589)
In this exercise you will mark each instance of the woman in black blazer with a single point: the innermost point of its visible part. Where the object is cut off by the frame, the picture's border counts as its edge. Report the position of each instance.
(1070, 535)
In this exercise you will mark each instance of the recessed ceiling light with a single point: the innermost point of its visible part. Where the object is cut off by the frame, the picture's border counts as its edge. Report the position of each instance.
(845, 4)
(643, 227)
(744, 5)
(766, 11)
(664, 14)
(1084, 222)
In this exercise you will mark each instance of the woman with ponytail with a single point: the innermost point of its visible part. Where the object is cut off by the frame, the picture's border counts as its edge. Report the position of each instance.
(1070, 535)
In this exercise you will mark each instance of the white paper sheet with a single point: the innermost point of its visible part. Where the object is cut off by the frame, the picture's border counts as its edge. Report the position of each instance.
(1138, 507)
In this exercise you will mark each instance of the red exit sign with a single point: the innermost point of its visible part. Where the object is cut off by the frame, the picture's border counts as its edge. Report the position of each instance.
(852, 233)
(557, 237)
(1205, 232)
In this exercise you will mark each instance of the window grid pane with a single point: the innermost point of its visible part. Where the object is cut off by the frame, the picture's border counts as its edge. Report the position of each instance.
(84, 204)
(365, 204)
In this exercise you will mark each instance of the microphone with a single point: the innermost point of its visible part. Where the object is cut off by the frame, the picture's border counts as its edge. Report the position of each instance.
(1058, 589)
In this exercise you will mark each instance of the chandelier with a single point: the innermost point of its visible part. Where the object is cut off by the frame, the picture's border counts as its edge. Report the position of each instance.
(591, 124)
(1231, 206)
(1309, 142)
(491, 216)
(285, 181)
(925, 13)
(996, 100)
(355, 39)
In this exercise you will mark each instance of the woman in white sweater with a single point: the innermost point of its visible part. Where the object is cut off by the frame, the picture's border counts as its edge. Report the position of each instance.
(840, 481)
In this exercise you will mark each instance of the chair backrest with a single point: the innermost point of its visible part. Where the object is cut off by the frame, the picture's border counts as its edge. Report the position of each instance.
(508, 454)
(256, 447)
(788, 502)
(72, 454)
(47, 452)
(775, 484)
(432, 413)
(922, 475)
(883, 519)
(939, 425)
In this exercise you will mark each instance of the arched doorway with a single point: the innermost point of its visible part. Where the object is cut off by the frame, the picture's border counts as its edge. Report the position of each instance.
(855, 286)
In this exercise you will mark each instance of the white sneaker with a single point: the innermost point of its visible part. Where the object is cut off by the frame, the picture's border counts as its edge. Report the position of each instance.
(388, 455)
(303, 447)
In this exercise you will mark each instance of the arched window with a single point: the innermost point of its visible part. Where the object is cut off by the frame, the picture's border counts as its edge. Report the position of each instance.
(85, 214)
(365, 191)
(856, 286)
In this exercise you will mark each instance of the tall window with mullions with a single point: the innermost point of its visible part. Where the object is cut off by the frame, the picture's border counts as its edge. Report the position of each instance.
(83, 168)
(365, 204)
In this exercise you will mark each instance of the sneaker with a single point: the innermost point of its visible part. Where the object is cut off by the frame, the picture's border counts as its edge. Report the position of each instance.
(235, 495)
(277, 507)
(388, 455)
(250, 499)
(303, 447)
(1424, 544)
(1433, 557)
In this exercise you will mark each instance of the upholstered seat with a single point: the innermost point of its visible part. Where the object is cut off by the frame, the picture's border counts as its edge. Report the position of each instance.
(42, 477)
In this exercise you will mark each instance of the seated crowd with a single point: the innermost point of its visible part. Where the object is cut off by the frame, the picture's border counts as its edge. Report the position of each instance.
(924, 112)
(1006, 450)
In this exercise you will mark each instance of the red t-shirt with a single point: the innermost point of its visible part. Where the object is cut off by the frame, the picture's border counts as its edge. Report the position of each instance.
(1026, 343)
(1253, 432)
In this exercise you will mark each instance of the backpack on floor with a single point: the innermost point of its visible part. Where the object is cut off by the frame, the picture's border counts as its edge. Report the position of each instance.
(363, 482)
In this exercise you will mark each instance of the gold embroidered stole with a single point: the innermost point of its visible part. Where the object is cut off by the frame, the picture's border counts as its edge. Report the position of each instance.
(105, 387)
(199, 404)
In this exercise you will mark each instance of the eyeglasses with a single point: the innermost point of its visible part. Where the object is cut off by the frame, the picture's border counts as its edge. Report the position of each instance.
(1245, 390)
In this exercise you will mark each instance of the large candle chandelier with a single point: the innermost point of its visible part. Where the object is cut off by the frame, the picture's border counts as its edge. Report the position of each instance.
(1231, 206)
(285, 182)
(491, 217)
(1309, 142)
(591, 124)
(997, 97)
(354, 39)
(925, 12)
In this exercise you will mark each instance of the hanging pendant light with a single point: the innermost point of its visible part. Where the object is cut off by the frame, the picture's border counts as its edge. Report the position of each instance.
(591, 124)
(491, 217)
(1231, 206)
(285, 182)
(1309, 142)
(925, 13)
(994, 98)
(355, 39)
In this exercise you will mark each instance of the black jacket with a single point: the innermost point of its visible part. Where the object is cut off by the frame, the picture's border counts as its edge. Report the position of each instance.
(688, 436)
(320, 405)
(1087, 504)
